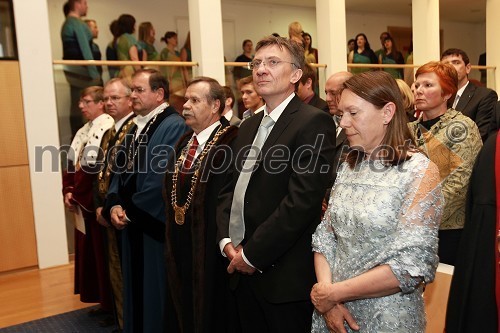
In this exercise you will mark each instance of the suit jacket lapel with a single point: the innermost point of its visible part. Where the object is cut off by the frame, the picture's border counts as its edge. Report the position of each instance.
(282, 123)
(340, 138)
(466, 97)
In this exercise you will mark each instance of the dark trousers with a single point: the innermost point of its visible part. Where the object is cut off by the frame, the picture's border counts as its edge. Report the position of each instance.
(258, 315)
(448, 245)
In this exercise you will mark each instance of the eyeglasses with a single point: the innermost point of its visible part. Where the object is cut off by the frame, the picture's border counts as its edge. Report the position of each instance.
(113, 99)
(270, 63)
(86, 101)
(138, 90)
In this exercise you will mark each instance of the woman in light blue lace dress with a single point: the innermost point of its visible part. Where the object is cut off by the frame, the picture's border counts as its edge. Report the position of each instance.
(377, 245)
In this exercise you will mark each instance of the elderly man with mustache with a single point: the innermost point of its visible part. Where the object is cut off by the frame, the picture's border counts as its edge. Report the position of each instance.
(197, 281)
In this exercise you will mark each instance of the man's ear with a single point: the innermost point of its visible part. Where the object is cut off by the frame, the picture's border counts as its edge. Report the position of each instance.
(467, 68)
(296, 75)
(216, 106)
(309, 82)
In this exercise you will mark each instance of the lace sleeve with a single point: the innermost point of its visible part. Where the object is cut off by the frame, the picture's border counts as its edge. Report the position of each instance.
(323, 239)
(413, 258)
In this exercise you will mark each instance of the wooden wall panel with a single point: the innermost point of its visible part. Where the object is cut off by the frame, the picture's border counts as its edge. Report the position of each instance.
(17, 229)
(13, 148)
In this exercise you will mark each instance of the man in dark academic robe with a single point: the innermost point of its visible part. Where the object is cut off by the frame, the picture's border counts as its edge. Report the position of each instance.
(473, 304)
(91, 278)
(197, 281)
(135, 204)
(118, 105)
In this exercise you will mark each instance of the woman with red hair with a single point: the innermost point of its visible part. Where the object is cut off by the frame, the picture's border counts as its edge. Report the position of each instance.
(452, 141)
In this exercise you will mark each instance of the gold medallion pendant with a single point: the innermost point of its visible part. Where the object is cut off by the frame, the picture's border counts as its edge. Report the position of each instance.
(179, 215)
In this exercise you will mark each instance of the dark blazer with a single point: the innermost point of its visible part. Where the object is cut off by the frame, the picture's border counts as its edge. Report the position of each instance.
(471, 303)
(495, 120)
(341, 146)
(283, 199)
(478, 103)
(319, 103)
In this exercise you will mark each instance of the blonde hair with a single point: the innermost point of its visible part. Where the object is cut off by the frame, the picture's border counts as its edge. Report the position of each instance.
(408, 98)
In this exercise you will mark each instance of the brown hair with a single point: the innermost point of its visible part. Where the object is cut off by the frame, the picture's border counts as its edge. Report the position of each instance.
(96, 92)
(228, 93)
(244, 81)
(380, 88)
(156, 81)
(308, 73)
(144, 29)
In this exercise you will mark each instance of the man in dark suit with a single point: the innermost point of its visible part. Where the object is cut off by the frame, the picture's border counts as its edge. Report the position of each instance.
(305, 89)
(477, 103)
(269, 209)
(495, 120)
(333, 90)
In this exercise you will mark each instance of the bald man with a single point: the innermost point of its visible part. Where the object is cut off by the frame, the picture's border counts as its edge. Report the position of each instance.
(333, 90)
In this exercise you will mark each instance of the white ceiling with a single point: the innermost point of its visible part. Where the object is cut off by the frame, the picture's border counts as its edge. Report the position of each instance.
(471, 11)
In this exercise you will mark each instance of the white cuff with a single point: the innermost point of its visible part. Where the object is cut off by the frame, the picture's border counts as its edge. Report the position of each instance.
(248, 262)
(222, 245)
(116, 206)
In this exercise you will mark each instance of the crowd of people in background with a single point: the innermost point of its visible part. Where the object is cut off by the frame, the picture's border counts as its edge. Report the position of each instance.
(186, 224)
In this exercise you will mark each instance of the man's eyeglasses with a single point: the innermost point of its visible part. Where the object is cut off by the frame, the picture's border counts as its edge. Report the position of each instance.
(86, 102)
(113, 99)
(138, 90)
(271, 63)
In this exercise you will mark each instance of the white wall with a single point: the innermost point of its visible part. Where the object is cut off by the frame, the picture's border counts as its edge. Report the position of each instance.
(253, 21)
(372, 25)
(41, 129)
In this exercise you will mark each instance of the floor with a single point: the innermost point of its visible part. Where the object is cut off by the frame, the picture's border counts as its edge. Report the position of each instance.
(33, 294)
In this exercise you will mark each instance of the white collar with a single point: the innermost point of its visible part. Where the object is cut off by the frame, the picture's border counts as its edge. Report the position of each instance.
(203, 136)
(120, 122)
(141, 121)
(276, 113)
(461, 90)
(229, 114)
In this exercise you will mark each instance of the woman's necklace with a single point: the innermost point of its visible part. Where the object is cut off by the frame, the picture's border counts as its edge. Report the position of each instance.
(133, 149)
(180, 211)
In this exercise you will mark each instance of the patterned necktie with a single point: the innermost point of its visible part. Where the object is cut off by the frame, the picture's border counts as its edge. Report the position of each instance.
(188, 162)
(236, 221)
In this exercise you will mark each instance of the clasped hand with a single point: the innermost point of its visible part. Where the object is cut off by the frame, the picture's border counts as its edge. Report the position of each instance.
(234, 254)
(118, 217)
(323, 297)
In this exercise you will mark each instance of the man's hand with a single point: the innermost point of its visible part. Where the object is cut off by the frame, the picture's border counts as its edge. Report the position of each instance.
(118, 217)
(322, 296)
(230, 251)
(335, 318)
(238, 264)
(68, 202)
(100, 219)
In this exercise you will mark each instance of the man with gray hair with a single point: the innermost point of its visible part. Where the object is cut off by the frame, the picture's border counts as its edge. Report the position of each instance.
(271, 204)
(333, 90)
